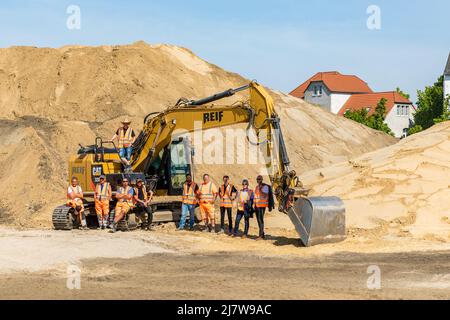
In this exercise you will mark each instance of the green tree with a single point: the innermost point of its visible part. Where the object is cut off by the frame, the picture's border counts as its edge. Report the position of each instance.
(374, 121)
(404, 94)
(430, 104)
(416, 129)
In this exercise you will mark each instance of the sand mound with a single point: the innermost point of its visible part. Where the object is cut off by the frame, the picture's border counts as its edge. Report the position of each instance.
(51, 100)
(403, 188)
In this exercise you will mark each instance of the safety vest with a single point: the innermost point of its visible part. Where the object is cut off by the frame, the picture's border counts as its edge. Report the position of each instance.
(144, 190)
(207, 193)
(76, 189)
(261, 199)
(243, 198)
(189, 193)
(225, 196)
(102, 194)
(125, 137)
(123, 191)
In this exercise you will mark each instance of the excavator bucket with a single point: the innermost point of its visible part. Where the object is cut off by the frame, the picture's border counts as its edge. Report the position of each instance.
(319, 220)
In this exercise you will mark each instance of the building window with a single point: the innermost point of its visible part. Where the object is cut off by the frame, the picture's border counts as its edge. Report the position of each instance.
(318, 90)
(403, 110)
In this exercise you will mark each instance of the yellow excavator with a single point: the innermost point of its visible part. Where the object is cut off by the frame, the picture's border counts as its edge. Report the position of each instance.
(162, 158)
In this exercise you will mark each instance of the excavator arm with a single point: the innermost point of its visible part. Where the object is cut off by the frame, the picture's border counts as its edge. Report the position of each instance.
(317, 220)
(189, 116)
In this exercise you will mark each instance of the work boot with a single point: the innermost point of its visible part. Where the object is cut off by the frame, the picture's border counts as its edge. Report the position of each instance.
(113, 227)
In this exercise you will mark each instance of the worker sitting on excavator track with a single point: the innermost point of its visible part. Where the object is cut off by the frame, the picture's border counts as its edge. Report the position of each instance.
(207, 195)
(142, 201)
(126, 137)
(124, 204)
(75, 200)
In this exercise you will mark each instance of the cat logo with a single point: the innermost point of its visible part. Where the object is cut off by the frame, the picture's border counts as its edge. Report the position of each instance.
(97, 171)
(213, 116)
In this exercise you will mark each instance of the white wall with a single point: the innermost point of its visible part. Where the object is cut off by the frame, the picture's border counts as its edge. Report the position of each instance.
(398, 122)
(337, 101)
(447, 86)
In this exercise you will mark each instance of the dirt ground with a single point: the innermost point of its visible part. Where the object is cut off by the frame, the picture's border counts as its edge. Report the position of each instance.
(169, 265)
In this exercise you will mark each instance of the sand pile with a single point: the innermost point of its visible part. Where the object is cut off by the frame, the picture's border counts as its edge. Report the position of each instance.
(51, 100)
(403, 189)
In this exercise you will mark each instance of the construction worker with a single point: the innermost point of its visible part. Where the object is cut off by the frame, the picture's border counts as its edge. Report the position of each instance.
(103, 195)
(262, 191)
(190, 190)
(207, 195)
(142, 201)
(245, 198)
(227, 194)
(124, 204)
(126, 137)
(75, 200)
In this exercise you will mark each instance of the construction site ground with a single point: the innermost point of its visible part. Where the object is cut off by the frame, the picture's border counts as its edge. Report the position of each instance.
(165, 264)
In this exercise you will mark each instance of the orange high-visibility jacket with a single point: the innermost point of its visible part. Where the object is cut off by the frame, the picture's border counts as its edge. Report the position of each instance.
(244, 197)
(76, 189)
(102, 194)
(123, 191)
(189, 196)
(208, 192)
(144, 191)
(125, 137)
(261, 199)
(225, 196)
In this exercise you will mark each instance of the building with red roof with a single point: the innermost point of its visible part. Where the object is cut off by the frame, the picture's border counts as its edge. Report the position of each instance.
(340, 93)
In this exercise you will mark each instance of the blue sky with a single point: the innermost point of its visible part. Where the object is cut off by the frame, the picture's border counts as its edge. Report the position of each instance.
(279, 43)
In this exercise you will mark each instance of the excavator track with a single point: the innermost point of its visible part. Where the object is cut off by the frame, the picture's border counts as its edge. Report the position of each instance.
(128, 223)
(63, 218)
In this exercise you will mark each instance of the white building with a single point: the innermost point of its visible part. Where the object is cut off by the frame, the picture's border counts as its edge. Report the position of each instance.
(447, 78)
(338, 93)
(399, 110)
(330, 90)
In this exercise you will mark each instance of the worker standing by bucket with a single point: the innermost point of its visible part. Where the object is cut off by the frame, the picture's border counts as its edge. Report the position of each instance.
(227, 194)
(103, 195)
(245, 198)
(262, 191)
(207, 195)
(190, 190)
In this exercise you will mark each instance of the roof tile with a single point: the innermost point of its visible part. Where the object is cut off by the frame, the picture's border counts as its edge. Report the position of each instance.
(370, 100)
(335, 82)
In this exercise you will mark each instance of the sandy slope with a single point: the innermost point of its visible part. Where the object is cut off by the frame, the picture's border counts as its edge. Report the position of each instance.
(404, 188)
(51, 100)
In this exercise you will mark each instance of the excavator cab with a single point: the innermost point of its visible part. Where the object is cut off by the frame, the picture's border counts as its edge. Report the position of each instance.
(170, 168)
